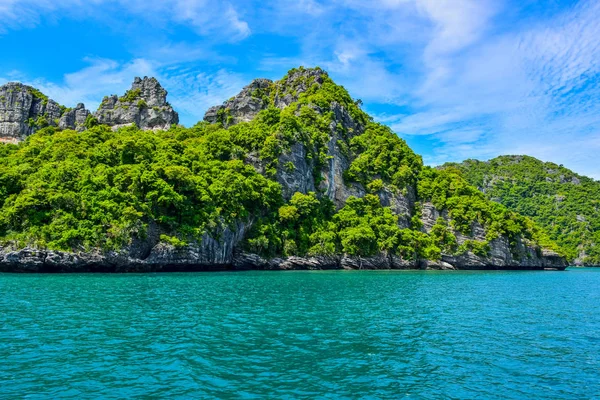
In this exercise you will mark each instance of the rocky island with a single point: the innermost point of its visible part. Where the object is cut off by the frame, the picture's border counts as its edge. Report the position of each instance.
(288, 174)
(565, 204)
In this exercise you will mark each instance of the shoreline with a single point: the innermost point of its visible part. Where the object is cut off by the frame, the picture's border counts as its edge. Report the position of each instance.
(219, 258)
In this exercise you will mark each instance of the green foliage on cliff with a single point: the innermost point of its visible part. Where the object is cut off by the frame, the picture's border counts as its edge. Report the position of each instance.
(103, 189)
(565, 204)
(130, 96)
(448, 190)
(38, 95)
(380, 154)
(69, 190)
(363, 227)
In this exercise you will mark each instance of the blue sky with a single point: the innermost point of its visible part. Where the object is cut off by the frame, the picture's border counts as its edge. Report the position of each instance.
(456, 78)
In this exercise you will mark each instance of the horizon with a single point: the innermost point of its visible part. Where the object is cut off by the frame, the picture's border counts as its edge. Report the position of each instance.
(478, 80)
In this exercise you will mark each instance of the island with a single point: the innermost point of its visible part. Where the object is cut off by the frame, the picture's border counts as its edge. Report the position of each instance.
(288, 174)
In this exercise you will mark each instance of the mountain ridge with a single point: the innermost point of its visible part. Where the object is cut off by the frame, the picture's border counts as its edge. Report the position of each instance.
(287, 174)
(564, 203)
(25, 110)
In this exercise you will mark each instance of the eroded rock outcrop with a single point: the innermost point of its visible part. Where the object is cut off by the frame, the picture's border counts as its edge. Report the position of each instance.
(23, 110)
(501, 254)
(244, 106)
(295, 171)
(74, 118)
(144, 105)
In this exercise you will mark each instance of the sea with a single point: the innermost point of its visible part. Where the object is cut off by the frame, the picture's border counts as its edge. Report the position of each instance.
(302, 334)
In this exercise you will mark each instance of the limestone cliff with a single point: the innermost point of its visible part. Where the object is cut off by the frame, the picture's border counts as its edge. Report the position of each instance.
(23, 110)
(75, 118)
(556, 198)
(315, 164)
(144, 105)
(242, 107)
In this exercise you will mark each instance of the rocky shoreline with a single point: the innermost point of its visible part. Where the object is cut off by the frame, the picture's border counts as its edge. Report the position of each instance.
(24, 110)
(29, 260)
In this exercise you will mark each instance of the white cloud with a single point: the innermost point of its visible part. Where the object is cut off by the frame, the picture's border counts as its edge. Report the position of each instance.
(192, 92)
(458, 23)
(240, 26)
(88, 85)
(206, 17)
(457, 71)
(532, 91)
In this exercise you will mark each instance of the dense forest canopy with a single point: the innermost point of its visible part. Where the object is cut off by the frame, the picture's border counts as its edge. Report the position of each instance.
(101, 188)
(565, 204)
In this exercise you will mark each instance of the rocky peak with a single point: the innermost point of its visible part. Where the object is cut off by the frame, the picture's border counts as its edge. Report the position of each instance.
(255, 97)
(144, 105)
(74, 118)
(150, 91)
(244, 106)
(23, 110)
(263, 93)
(297, 81)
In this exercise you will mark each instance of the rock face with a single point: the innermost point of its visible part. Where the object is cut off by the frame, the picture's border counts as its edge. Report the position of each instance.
(253, 98)
(244, 106)
(500, 255)
(75, 118)
(196, 258)
(24, 109)
(295, 83)
(144, 105)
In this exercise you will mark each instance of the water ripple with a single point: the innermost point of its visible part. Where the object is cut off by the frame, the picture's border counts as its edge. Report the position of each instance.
(335, 334)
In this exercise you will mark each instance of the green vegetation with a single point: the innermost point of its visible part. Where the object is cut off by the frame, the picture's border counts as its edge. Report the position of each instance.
(38, 95)
(130, 96)
(383, 155)
(447, 190)
(90, 121)
(69, 190)
(103, 189)
(565, 204)
(39, 122)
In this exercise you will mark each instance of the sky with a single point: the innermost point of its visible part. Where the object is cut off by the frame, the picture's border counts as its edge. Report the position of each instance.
(456, 79)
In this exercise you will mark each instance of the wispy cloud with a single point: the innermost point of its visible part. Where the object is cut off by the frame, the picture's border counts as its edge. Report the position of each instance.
(205, 17)
(472, 78)
(192, 92)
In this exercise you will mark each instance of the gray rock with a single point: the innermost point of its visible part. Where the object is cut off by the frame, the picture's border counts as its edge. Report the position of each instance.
(23, 110)
(402, 203)
(295, 172)
(74, 118)
(500, 256)
(244, 106)
(144, 105)
(253, 98)
(299, 81)
(333, 182)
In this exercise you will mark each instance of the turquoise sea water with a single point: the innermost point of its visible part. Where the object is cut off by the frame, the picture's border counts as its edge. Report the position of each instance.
(334, 334)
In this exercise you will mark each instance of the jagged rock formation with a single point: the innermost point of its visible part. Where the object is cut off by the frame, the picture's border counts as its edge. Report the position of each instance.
(297, 170)
(253, 98)
(74, 118)
(242, 107)
(220, 255)
(558, 199)
(144, 105)
(500, 255)
(23, 109)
